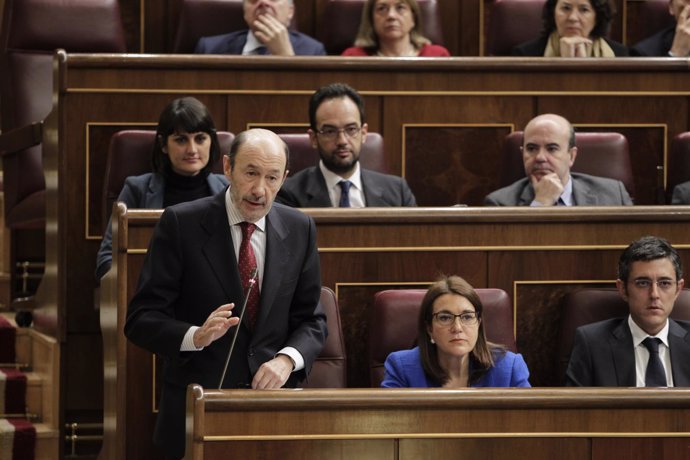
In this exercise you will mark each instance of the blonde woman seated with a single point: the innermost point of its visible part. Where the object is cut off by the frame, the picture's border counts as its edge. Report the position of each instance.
(452, 349)
(574, 28)
(393, 28)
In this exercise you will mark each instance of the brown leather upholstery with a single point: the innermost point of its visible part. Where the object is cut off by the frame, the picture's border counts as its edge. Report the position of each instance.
(204, 18)
(598, 154)
(678, 163)
(303, 155)
(31, 31)
(339, 23)
(393, 323)
(330, 368)
(510, 23)
(652, 16)
(591, 305)
(129, 154)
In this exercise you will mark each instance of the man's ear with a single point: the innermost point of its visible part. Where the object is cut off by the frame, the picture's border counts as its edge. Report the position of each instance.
(227, 169)
(365, 130)
(573, 154)
(622, 289)
(312, 138)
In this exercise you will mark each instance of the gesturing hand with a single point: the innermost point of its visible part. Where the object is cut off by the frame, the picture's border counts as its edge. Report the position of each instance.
(216, 325)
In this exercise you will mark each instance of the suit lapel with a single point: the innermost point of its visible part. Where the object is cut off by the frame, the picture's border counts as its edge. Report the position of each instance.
(277, 256)
(679, 341)
(527, 194)
(373, 193)
(317, 191)
(219, 250)
(623, 355)
(582, 195)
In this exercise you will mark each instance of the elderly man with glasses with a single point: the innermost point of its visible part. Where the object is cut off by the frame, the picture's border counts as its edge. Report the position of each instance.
(646, 348)
(338, 130)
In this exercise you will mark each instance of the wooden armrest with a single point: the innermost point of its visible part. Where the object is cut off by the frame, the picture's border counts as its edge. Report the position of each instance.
(21, 138)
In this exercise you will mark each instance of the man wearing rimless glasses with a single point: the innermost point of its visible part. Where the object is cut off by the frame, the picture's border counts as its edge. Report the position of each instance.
(338, 130)
(646, 348)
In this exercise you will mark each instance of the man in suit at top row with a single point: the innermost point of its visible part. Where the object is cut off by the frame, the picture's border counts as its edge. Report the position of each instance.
(268, 33)
(338, 130)
(646, 348)
(548, 153)
(673, 41)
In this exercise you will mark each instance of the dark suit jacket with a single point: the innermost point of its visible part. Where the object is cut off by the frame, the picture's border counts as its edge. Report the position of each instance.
(404, 370)
(232, 43)
(658, 44)
(538, 46)
(146, 192)
(307, 189)
(603, 354)
(681, 193)
(587, 191)
(190, 270)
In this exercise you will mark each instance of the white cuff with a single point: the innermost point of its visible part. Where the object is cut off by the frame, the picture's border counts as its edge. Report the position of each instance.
(188, 340)
(295, 356)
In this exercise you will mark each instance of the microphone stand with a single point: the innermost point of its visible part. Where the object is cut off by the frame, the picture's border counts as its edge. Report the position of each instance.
(252, 283)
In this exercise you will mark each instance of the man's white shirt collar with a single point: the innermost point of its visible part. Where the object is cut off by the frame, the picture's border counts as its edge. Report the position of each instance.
(252, 44)
(639, 335)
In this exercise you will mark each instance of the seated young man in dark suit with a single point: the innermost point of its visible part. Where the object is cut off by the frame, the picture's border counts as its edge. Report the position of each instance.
(674, 41)
(646, 348)
(338, 130)
(268, 33)
(548, 153)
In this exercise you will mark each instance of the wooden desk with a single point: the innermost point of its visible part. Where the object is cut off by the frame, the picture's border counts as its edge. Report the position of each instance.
(537, 256)
(410, 424)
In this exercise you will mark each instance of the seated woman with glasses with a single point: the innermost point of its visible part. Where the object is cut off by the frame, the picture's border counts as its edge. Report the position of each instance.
(452, 350)
(393, 28)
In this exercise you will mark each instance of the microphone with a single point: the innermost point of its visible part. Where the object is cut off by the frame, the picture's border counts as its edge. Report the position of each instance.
(252, 283)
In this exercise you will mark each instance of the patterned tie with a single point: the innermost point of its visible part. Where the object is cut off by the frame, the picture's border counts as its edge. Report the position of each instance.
(345, 194)
(247, 265)
(655, 375)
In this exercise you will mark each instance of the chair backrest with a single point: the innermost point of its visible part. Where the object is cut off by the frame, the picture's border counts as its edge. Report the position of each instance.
(330, 368)
(678, 163)
(650, 17)
(393, 323)
(340, 20)
(598, 154)
(303, 155)
(129, 154)
(510, 23)
(591, 305)
(204, 18)
(31, 31)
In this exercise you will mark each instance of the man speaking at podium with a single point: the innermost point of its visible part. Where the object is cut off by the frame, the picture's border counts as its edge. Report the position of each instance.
(202, 257)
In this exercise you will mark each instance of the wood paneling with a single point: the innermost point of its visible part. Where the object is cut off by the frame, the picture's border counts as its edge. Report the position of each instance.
(441, 424)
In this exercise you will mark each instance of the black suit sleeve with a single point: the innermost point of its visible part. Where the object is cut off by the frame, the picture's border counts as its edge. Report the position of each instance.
(579, 373)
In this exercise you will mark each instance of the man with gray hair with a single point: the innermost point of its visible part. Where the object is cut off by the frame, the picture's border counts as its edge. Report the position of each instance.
(268, 33)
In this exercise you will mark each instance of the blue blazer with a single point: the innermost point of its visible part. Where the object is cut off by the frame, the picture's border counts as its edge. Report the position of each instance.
(146, 192)
(233, 43)
(403, 369)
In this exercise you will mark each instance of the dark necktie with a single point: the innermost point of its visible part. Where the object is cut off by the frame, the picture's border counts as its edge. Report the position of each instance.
(261, 51)
(655, 375)
(247, 265)
(560, 202)
(345, 194)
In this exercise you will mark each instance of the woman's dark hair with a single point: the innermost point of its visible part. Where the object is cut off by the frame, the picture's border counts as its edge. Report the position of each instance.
(184, 115)
(603, 9)
(482, 356)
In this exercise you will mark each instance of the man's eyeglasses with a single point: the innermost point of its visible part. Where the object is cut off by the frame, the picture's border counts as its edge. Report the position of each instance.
(446, 319)
(330, 132)
(645, 283)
